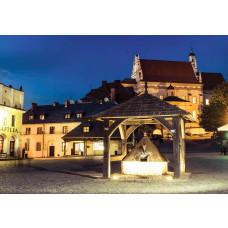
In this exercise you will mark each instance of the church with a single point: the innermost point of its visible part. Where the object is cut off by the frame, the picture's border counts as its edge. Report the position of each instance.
(177, 82)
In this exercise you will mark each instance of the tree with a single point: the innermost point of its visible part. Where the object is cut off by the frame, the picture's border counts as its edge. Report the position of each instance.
(220, 94)
(213, 116)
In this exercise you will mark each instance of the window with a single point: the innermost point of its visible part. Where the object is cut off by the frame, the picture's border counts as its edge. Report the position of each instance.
(52, 130)
(194, 100)
(64, 146)
(39, 130)
(38, 146)
(67, 116)
(98, 146)
(79, 115)
(31, 117)
(207, 101)
(85, 129)
(194, 115)
(161, 97)
(26, 146)
(28, 131)
(42, 117)
(65, 129)
(5, 121)
(183, 97)
(13, 121)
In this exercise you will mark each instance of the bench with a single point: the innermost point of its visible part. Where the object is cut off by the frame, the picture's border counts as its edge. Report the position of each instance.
(3, 155)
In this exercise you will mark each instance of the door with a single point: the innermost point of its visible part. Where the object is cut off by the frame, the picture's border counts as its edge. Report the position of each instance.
(12, 145)
(78, 148)
(51, 151)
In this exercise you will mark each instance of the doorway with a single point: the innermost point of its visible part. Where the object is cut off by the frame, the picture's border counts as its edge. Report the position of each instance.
(51, 151)
(12, 146)
(78, 148)
(1, 144)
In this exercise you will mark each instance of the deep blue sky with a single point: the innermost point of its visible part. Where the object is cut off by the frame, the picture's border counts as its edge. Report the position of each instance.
(54, 68)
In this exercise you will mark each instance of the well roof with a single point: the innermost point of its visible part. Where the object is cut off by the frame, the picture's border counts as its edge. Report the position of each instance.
(143, 106)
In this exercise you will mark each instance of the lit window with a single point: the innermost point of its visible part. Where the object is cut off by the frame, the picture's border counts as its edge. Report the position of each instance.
(4, 121)
(52, 130)
(13, 121)
(207, 101)
(85, 129)
(194, 115)
(65, 129)
(31, 117)
(67, 116)
(39, 130)
(38, 146)
(98, 146)
(42, 117)
(194, 100)
(79, 115)
(64, 146)
(28, 131)
(161, 97)
(183, 97)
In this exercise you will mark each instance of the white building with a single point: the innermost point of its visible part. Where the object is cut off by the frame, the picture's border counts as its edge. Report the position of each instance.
(11, 111)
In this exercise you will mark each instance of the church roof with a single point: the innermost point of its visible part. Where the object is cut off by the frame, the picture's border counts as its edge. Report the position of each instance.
(211, 80)
(143, 105)
(168, 71)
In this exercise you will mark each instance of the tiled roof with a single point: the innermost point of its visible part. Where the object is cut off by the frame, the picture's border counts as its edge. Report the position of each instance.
(122, 93)
(56, 114)
(168, 71)
(96, 131)
(211, 80)
(143, 105)
(129, 81)
(174, 98)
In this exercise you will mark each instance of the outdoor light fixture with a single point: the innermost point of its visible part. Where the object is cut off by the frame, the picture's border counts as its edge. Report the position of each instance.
(172, 131)
(115, 177)
(170, 178)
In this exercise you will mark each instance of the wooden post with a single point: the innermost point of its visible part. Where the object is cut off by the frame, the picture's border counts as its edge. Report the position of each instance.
(182, 147)
(106, 157)
(176, 146)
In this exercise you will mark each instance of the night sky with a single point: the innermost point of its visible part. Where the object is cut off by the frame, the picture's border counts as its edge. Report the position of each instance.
(56, 68)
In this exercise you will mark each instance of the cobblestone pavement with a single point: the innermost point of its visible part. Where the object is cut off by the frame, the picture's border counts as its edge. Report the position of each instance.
(208, 173)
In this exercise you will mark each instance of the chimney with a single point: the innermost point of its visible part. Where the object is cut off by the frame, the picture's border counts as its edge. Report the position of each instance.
(104, 83)
(113, 94)
(117, 81)
(55, 103)
(67, 104)
(101, 101)
(34, 105)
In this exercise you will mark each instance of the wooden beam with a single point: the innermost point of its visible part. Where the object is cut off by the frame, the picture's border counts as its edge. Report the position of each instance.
(176, 146)
(165, 123)
(182, 146)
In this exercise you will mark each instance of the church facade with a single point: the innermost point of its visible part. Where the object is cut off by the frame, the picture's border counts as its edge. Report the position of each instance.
(178, 83)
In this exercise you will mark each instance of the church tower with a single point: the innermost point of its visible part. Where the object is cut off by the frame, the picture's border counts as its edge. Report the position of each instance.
(137, 70)
(192, 60)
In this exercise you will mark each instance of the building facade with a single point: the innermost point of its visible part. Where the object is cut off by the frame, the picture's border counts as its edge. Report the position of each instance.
(179, 83)
(44, 127)
(11, 112)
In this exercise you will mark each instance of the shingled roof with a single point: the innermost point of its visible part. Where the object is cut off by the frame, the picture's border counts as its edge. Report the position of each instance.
(211, 80)
(56, 114)
(168, 71)
(143, 105)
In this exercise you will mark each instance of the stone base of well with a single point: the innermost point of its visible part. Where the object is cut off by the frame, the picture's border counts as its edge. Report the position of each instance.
(144, 168)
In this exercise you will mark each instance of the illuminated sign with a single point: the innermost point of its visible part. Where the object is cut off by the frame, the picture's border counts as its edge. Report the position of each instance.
(9, 129)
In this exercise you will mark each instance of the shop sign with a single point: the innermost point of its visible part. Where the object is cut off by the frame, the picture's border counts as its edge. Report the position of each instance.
(9, 129)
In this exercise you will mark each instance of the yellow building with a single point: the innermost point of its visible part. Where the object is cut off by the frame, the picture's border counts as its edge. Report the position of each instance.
(45, 125)
(11, 111)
